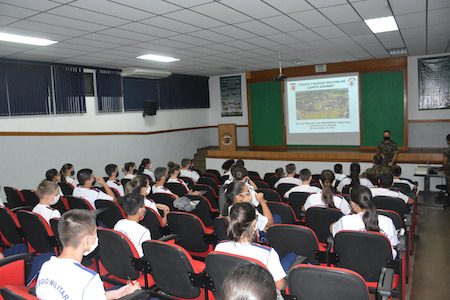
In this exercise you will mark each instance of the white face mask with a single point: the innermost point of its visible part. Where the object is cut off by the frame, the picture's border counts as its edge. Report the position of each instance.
(149, 189)
(92, 247)
(150, 167)
(55, 200)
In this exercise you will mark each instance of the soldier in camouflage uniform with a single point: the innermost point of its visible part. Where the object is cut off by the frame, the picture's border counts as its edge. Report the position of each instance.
(388, 150)
(374, 173)
(446, 167)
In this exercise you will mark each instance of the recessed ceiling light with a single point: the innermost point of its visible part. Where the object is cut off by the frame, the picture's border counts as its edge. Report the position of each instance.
(158, 58)
(397, 51)
(25, 39)
(384, 24)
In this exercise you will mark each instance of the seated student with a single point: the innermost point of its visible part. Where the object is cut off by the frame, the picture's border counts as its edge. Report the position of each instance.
(113, 173)
(64, 277)
(161, 177)
(48, 194)
(338, 174)
(385, 182)
(66, 172)
(174, 171)
(140, 185)
(377, 170)
(129, 170)
(366, 217)
(226, 167)
(144, 168)
(306, 177)
(133, 205)
(326, 198)
(290, 170)
(240, 163)
(240, 174)
(396, 173)
(354, 179)
(241, 228)
(53, 175)
(186, 171)
(85, 191)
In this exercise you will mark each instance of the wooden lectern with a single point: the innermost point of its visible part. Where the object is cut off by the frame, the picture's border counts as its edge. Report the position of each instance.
(227, 137)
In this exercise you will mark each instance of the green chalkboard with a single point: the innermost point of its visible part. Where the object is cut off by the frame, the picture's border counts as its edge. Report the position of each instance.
(382, 107)
(266, 110)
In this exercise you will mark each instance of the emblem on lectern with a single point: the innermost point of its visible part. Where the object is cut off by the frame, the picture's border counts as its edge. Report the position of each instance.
(226, 139)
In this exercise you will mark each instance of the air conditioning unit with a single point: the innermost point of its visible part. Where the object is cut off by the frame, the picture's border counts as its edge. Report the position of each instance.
(145, 73)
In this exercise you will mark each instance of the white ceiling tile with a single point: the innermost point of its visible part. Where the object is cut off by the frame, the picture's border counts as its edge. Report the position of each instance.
(311, 18)
(170, 24)
(127, 34)
(416, 32)
(389, 36)
(16, 11)
(401, 7)
(436, 4)
(325, 3)
(372, 9)
(32, 33)
(233, 32)
(340, 14)
(411, 20)
(355, 28)
(283, 23)
(190, 39)
(212, 36)
(149, 30)
(223, 48)
(289, 6)
(329, 32)
(81, 47)
(343, 42)
(87, 16)
(258, 28)
(170, 43)
(282, 38)
(99, 44)
(323, 44)
(441, 29)
(253, 8)
(189, 3)
(194, 18)
(264, 51)
(241, 45)
(157, 7)
(38, 5)
(305, 35)
(261, 41)
(393, 44)
(438, 16)
(221, 12)
(47, 28)
(66, 22)
(115, 9)
(5, 20)
(108, 39)
(302, 47)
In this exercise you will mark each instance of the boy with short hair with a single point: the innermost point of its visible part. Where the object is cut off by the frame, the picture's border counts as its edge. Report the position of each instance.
(290, 178)
(48, 194)
(84, 190)
(64, 277)
(306, 177)
(338, 173)
(186, 171)
(385, 182)
(113, 173)
(160, 177)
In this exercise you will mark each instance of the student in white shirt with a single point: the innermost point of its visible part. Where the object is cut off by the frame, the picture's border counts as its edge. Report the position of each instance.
(241, 228)
(306, 177)
(113, 173)
(338, 174)
(174, 171)
(366, 217)
(48, 194)
(144, 168)
(226, 167)
(67, 171)
(85, 190)
(64, 277)
(327, 198)
(129, 170)
(353, 179)
(239, 173)
(161, 175)
(133, 205)
(53, 175)
(386, 181)
(290, 178)
(186, 171)
(140, 185)
(396, 173)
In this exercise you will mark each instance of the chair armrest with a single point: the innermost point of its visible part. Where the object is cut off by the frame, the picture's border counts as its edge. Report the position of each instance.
(385, 281)
(402, 245)
(170, 237)
(29, 208)
(408, 220)
(298, 260)
(136, 295)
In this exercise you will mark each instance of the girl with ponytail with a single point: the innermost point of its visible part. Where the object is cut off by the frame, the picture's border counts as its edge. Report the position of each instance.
(129, 169)
(366, 217)
(353, 179)
(241, 228)
(326, 198)
(144, 169)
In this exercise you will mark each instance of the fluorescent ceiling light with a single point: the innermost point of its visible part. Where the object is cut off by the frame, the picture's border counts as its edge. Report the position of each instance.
(25, 39)
(385, 24)
(158, 58)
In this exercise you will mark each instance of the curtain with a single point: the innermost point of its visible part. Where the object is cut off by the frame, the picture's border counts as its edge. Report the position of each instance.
(109, 91)
(69, 90)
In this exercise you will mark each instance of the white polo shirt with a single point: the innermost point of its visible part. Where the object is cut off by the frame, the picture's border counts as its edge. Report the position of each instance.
(116, 185)
(291, 180)
(411, 186)
(135, 232)
(90, 195)
(72, 181)
(63, 279)
(46, 212)
(149, 173)
(161, 189)
(339, 176)
(191, 174)
(305, 188)
(151, 204)
(388, 193)
(177, 180)
(346, 181)
(339, 202)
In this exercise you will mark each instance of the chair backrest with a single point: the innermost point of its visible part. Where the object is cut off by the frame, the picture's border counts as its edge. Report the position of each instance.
(346, 189)
(282, 188)
(315, 282)
(395, 217)
(153, 222)
(268, 175)
(54, 225)
(395, 204)
(166, 199)
(402, 188)
(210, 175)
(80, 203)
(171, 266)
(115, 192)
(363, 252)
(66, 188)
(220, 228)
(188, 181)
(176, 188)
(191, 231)
(223, 178)
(315, 177)
(115, 251)
(14, 197)
(270, 195)
(220, 264)
(319, 220)
(124, 181)
(296, 200)
(204, 210)
(15, 269)
(283, 210)
(297, 239)
(14, 292)
(10, 226)
(113, 213)
(62, 205)
(272, 180)
(209, 181)
(261, 184)
(210, 194)
(254, 174)
(31, 199)
(215, 172)
(38, 232)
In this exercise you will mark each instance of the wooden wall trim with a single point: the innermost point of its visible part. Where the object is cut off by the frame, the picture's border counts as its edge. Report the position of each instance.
(429, 121)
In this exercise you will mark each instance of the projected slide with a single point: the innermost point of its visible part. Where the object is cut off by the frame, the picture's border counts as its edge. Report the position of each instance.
(322, 105)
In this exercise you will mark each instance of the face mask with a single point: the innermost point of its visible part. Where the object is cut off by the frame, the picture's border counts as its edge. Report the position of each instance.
(149, 189)
(254, 228)
(71, 173)
(134, 171)
(92, 247)
(150, 166)
(386, 138)
(55, 200)
(94, 182)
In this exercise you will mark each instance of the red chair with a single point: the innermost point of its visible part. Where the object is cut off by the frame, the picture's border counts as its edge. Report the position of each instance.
(10, 228)
(31, 199)
(284, 211)
(176, 188)
(112, 213)
(154, 223)
(14, 197)
(75, 202)
(209, 181)
(296, 200)
(270, 195)
(319, 220)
